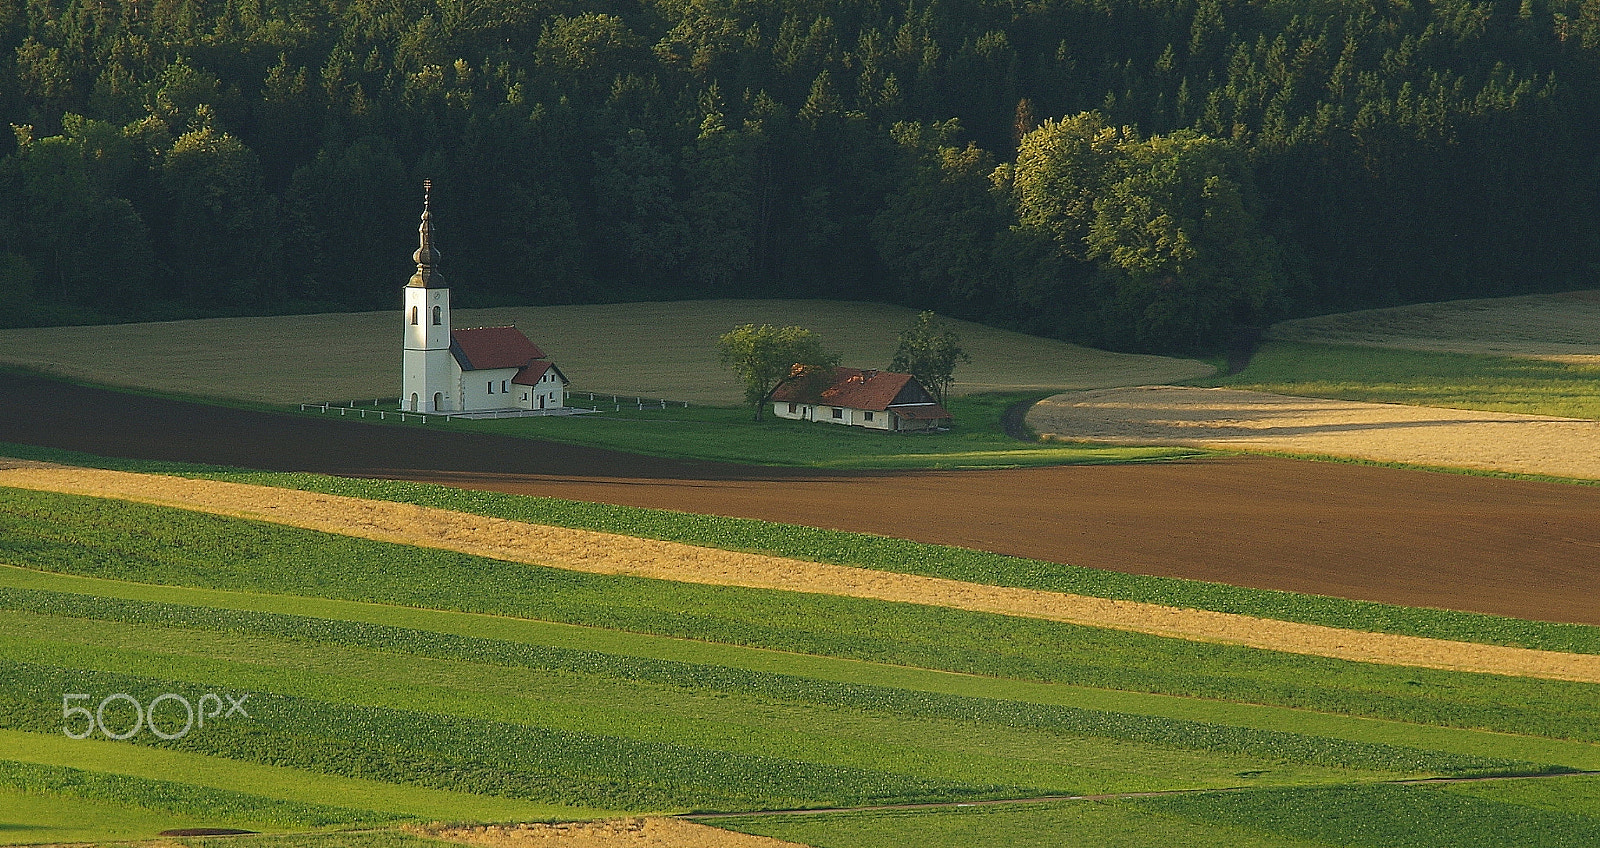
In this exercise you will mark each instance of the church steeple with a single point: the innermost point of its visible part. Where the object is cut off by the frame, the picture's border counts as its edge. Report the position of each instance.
(426, 257)
(426, 383)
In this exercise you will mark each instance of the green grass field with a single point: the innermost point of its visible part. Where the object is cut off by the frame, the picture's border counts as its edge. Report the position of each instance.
(1489, 815)
(389, 683)
(1422, 378)
(1555, 327)
(653, 349)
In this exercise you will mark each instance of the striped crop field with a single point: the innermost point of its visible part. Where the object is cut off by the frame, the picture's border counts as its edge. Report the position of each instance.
(162, 668)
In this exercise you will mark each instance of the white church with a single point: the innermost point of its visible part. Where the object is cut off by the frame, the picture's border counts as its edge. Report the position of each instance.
(483, 369)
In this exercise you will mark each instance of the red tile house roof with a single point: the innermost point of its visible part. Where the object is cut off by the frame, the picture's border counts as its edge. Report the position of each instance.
(480, 348)
(878, 391)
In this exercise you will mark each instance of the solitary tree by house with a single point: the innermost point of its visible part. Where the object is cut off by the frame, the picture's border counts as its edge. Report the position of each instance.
(930, 350)
(767, 357)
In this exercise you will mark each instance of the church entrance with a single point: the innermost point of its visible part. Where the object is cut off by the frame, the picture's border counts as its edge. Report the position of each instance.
(438, 401)
(413, 401)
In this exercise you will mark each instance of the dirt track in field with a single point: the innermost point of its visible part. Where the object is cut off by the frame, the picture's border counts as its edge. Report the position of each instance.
(608, 553)
(1387, 432)
(1405, 537)
(653, 832)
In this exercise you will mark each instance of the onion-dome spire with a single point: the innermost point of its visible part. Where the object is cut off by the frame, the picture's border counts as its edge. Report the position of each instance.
(426, 257)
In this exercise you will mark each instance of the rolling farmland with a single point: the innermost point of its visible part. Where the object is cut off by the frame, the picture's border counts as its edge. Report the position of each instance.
(387, 678)
(517, 692)
(655, 349)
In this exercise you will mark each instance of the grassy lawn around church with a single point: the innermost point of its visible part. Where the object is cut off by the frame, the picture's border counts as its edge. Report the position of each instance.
(731, 434)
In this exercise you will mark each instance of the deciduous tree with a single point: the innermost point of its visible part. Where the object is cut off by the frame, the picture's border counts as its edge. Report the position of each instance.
(930, 350)
(767, 357)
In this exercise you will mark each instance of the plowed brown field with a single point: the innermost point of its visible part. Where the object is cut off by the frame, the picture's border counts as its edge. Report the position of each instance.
(1499, 546)
(610, 553)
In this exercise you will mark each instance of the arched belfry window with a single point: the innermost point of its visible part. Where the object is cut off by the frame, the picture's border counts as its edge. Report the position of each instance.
(437, 316)
(413, 315)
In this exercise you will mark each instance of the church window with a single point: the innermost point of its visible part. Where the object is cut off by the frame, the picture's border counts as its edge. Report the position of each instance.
(413, 315)
(437, 316)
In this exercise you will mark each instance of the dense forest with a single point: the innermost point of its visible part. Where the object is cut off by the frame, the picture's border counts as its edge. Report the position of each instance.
(1136, 174)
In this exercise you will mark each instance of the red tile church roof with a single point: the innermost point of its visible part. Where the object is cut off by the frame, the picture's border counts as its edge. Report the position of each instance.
(480, 348)
(530, 376)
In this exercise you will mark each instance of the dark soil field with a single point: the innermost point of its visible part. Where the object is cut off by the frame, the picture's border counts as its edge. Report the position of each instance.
(1416, 538)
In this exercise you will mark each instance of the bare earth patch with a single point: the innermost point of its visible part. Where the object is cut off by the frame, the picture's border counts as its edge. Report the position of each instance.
(1559, 327)
(1230, 418)
(606, 553)
(652, 832)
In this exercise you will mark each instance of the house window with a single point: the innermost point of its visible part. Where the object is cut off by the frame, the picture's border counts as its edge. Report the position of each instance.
(413, 315)
(793, 407)
(437, 320)
(838, 413)
(503, 384)
(869, 416)
(491, 386)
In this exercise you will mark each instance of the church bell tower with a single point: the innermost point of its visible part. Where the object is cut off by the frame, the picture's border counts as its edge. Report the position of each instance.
(426, 373)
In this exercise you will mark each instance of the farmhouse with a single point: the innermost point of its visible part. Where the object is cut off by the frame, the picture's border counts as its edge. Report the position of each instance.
(879, 400)
(482, 369)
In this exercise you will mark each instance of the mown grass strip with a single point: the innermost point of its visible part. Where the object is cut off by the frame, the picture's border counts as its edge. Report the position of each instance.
(585, 640)
(897, 555)
(53, 748)
(179, 798)
(486, 757)
(869, 699)
(381, 838)
(119, 540)
(1041, 825)
(929, 748)
(1384, 816)
(1371, 816)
